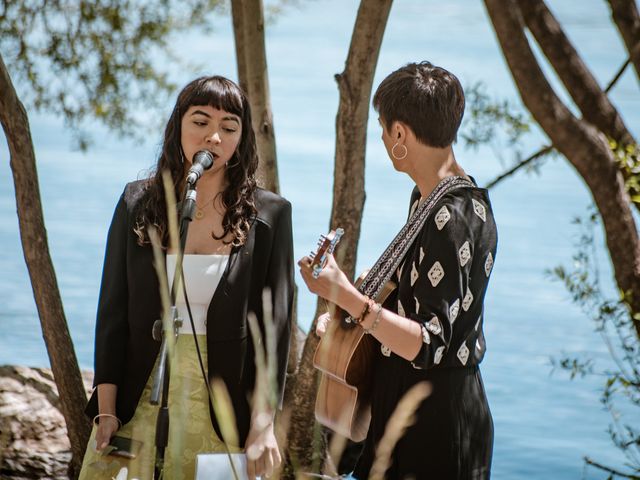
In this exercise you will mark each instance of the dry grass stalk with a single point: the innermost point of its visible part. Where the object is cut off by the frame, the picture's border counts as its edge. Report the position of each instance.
(223, 409)
(403, 417)
(172, 212)
(165, 297)
(336, 449)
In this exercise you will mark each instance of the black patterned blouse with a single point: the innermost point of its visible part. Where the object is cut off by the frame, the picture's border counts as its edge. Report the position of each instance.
(441, 284)
(443, 279)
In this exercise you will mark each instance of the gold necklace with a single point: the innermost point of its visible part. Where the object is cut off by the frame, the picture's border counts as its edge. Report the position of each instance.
(200, 210)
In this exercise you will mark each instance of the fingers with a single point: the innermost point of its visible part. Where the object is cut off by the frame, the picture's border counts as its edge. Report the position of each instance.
(277, 458)
(323, 322)
(330, 259)
(260, 466)
(255, 468)
(265, 465)
(268, 463)
(104, 432)
(102, 439)
(304, 262)
(251, 469)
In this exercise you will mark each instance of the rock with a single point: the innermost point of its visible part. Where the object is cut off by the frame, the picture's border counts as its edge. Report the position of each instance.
(33, 435)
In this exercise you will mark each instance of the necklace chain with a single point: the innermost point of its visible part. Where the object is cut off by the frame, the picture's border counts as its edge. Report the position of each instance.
(200, 209)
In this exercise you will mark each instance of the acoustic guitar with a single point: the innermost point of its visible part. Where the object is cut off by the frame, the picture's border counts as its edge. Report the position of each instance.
(344, 357)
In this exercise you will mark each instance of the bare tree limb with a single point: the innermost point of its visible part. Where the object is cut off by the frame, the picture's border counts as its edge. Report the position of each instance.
(33, 235)
(617, 76)
(531, 158)
(582, 144)
(574, 74)
(625, 16)
(610, 470)
(548, 148)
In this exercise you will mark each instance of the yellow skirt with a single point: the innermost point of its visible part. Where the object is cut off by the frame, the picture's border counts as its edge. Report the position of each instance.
(190, 429)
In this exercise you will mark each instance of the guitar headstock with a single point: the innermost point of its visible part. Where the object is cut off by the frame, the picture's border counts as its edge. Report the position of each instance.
(326, 245)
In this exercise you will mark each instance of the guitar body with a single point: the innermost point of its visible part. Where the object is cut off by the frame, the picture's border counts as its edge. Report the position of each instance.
(341, 408)
(344, 356)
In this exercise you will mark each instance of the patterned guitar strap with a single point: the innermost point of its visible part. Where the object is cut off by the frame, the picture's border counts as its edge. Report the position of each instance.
(390, 260)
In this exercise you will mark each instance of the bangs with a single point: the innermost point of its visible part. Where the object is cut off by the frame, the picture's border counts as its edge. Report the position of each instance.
(217, 92)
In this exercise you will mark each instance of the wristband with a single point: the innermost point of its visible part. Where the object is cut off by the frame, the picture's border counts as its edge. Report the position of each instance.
(376, 321)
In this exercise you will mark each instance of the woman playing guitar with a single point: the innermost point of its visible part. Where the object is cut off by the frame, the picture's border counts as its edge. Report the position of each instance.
(431, 328)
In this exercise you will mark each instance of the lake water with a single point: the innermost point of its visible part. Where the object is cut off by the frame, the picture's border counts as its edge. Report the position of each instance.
(544, 422)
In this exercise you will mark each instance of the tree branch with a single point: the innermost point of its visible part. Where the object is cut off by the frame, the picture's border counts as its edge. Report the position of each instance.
(625, 16)
(617, 76)
(611, 470)
(354, 85)
(582, 144)
(574, 74)
(248, 26)
(540, 153)
(547, 149)
(33, 235)
(239, 28)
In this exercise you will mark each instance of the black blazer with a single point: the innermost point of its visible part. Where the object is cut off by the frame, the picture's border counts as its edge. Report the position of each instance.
(129, 303)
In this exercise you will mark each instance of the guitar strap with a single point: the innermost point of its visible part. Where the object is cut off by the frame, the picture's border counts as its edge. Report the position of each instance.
(391, 258)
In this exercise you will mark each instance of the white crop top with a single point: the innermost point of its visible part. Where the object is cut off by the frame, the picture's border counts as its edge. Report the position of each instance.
(202, 274)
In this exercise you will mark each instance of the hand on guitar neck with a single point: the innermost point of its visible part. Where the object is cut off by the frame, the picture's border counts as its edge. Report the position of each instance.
(331, 283)
(344, 353)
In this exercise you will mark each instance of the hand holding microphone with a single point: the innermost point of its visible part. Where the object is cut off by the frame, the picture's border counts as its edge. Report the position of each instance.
(202, 160)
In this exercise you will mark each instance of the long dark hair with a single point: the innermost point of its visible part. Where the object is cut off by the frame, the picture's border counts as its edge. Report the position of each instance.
(238, 197)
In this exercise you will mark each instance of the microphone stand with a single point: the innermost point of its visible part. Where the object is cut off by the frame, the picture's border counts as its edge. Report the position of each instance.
(162, 374)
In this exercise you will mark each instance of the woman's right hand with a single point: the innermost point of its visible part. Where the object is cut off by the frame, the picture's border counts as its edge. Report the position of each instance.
(323, 323)
(107, 427)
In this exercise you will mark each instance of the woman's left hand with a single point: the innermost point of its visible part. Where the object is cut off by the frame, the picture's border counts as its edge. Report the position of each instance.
(263, 455)
(331, 284)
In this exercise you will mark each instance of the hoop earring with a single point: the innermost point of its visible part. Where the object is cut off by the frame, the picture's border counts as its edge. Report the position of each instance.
(393, 153)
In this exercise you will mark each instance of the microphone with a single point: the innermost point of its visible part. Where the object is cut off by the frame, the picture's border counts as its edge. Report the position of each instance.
(202, 160)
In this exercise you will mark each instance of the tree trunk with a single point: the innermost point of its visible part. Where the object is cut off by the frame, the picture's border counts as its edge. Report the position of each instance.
(43, 279)
(245, 55)
(354, 85)
(248, 26)
(238, 34)
(574, 74)
(583, 145)
(626, 17)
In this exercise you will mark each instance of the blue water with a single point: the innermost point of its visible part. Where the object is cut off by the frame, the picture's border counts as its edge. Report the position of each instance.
(544, 423)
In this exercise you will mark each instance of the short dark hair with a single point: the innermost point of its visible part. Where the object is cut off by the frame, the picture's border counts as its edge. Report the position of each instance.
(428, 99)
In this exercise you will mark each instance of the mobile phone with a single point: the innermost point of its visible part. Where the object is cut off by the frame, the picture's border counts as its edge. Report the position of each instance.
(124, 447)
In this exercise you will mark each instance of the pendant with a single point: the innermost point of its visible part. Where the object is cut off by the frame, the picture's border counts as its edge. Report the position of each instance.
(199, 214)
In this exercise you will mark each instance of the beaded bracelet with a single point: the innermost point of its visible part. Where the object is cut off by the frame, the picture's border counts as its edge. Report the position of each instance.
(106, 415)
(365, 310)
(376, 321)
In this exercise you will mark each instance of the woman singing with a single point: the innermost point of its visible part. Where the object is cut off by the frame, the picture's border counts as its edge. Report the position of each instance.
(239, 245)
